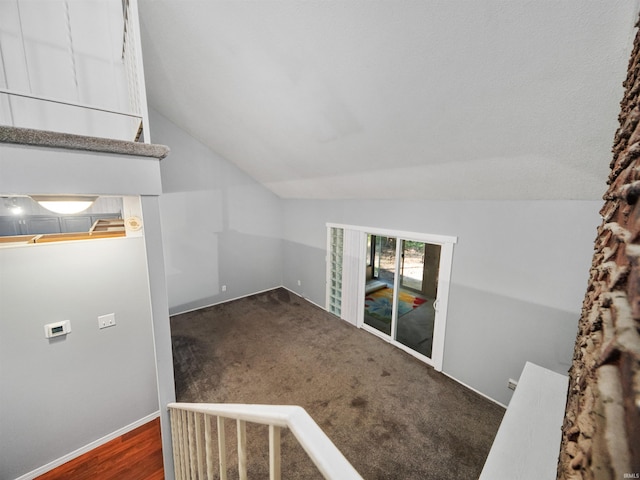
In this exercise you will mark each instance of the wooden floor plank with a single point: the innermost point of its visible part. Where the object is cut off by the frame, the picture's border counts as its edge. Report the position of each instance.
(136, 455)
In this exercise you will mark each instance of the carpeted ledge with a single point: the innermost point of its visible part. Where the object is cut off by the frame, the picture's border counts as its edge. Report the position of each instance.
(392, 416)
(45, 138)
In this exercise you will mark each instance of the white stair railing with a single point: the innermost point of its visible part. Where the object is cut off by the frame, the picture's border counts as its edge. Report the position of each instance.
(194, 451)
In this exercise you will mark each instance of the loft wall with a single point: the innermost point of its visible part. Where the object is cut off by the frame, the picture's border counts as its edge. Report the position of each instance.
(219, 226)
(61, 394)
(518, 277)
(79, 281)
(601, 431)
(70, 51)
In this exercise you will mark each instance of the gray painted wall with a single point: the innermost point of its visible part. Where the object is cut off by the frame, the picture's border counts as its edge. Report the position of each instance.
(56, 170)
(219, 226)
(520, 270)
(519, 273)
(58, 395)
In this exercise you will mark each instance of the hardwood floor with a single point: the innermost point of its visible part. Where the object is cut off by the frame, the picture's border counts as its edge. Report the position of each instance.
(136, 455)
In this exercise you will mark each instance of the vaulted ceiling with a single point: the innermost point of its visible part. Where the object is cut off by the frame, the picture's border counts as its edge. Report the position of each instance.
(411, 99)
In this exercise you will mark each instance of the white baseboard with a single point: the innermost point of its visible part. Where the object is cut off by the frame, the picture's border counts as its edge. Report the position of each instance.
(226, 300)
(87, 448)
(474, 390)
(248, 295)
(303, 297)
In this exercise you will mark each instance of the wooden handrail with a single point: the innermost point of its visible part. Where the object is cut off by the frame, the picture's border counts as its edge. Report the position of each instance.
(324, 454)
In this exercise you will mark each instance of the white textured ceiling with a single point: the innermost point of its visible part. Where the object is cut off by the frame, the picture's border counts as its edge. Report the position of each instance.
(447, 99)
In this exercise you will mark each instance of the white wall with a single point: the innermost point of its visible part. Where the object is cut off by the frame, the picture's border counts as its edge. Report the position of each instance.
(58, 395)
(27, 170)
(219, 226)
(69, 51)
(520, 271)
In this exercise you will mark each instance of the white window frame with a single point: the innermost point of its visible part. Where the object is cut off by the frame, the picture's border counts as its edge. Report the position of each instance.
(354, 274)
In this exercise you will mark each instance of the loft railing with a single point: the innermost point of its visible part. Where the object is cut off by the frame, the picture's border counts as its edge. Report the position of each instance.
(64, 102)
(20, 106)
(55, 114)
(195, 449)
(131, 57)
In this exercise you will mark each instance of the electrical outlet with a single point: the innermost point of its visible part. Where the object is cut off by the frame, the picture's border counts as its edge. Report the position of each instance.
(299, 282)
(512, 384)
(224, 288)
(108, 320)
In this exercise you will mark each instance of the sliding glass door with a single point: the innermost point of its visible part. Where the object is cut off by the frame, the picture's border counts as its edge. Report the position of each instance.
(415, 307)
(401, 290)
(394, 285)
(379, 290)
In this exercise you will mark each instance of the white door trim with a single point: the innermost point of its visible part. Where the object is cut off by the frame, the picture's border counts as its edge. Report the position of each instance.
(421, 237)
(351, 292)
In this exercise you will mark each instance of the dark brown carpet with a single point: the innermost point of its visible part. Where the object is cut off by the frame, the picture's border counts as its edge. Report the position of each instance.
(392, 416)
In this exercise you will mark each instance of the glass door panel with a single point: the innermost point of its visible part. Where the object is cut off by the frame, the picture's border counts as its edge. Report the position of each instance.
(379, 290)
(411, 265)
(415, 311)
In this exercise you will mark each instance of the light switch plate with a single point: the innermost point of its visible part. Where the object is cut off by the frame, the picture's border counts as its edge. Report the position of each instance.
(108, 320)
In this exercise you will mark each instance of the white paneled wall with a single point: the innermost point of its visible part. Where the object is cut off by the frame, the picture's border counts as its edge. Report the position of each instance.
(69, 51)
